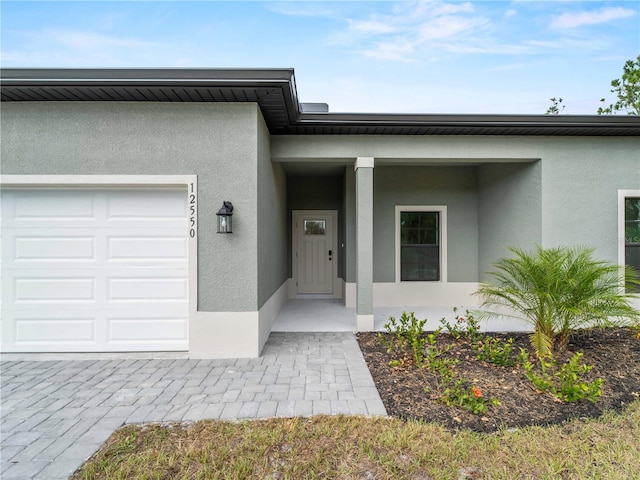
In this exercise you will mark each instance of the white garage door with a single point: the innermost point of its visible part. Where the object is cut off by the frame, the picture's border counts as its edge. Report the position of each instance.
(94, 270)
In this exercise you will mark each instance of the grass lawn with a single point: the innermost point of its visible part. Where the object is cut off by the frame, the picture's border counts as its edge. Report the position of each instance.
(370, 448)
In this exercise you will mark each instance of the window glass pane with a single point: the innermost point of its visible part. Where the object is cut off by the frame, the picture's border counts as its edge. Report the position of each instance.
(410, 219)
(429, 237)
(429, 220)
(412, 236)
(632, 220)
(419, 246)
(421, 263)
(314, 227)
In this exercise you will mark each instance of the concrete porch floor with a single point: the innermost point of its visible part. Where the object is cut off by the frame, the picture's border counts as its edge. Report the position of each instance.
(315, 315)
(330, 315)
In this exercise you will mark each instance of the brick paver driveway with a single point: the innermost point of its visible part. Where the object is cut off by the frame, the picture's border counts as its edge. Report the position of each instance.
(55, 414)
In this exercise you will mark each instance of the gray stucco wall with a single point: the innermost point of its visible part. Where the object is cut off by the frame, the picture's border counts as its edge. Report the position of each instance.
(509, 210)
(571, 181)
(580, 179)
(454, 187)
(217, 142)
(272, 220)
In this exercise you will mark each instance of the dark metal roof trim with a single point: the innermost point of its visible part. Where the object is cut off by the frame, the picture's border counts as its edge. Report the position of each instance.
(471, 124)
(274, 90)
(49, 76)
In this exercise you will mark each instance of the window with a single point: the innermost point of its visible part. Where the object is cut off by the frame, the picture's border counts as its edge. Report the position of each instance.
(419, 252)
(632, 232)
(314, 227)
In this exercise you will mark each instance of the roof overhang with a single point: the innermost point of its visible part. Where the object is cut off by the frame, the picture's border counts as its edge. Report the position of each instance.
(274, 90)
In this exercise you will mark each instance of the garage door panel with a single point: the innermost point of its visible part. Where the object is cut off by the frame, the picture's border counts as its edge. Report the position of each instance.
(112, 280)
(48, 331)
(34, 290)
(119, 208)
(146, 248)
(38, 289)
(39, 247)
(144, 207)
(52, 247)
(95, 287)
(145, 289)
(35, 248)
(50, 208)
(152, 330)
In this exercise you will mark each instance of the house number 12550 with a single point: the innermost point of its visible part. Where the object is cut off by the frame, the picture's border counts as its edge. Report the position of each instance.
(192, 211)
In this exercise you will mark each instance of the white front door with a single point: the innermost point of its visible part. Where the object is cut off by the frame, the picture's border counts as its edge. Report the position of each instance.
(316, 251)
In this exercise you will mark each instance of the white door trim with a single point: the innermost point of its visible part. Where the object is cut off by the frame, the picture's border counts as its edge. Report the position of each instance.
(190, 182)
(294, 247)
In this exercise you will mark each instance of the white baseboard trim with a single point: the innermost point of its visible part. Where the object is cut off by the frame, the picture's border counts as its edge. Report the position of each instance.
(393, 294)
(224, 335)
(269, 313)
(365, 323)
(234, 334)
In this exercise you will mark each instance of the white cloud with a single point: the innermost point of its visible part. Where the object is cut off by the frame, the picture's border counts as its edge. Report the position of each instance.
(78, 48)
(394, 51)
(450, 8)
(595, 17)
(592, 43)
(490, 48)
(411, 29)
(448, 27)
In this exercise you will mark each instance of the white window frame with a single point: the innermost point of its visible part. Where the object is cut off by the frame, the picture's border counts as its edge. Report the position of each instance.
(622, 196)
(442, 210)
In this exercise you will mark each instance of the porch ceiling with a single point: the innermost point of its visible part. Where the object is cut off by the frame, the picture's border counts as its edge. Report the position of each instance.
(299, 169)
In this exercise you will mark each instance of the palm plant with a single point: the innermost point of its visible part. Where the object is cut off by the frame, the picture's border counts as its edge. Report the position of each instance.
(558, 290)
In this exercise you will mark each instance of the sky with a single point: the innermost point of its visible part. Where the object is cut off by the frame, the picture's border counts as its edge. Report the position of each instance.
(479, 56)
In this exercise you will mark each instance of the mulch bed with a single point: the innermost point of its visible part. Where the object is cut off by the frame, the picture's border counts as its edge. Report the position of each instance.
(613, 353)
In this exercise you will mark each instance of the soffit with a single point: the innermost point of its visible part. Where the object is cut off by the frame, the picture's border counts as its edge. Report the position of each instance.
(274, 91)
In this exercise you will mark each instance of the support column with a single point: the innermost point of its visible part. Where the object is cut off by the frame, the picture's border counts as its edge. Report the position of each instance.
(364, 244)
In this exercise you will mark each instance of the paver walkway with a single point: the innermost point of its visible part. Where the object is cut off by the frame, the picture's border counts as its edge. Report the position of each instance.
(56, 414)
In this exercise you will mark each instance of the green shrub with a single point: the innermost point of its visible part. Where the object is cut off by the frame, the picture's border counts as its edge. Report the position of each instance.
(492, 350)
(435, 360)
(558, 290)
(406, 335)
(465, 327)
(565, 382)
(406, 338)
(460, 394)
(571, 388)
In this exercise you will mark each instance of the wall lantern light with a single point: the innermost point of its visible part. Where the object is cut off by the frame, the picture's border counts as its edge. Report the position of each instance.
(225, 214)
